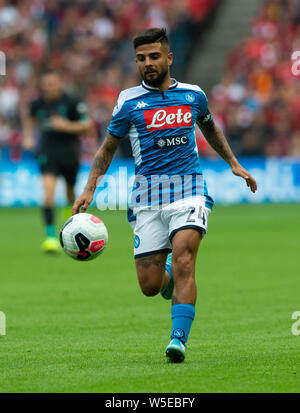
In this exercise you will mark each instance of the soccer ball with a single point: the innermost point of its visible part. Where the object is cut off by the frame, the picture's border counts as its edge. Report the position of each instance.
(83, 237)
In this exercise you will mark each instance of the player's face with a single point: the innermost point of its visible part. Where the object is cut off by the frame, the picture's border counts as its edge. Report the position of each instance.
(153, 61)
(51, 86)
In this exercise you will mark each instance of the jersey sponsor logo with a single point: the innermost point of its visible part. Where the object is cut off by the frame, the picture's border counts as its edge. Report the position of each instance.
(141, 105)
(171, 141)
(168, 117)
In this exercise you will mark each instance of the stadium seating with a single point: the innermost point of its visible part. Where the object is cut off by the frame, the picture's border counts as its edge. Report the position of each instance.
(257, 101)
(90, 44)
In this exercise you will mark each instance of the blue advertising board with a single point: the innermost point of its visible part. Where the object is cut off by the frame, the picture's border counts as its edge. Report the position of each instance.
(278, 181)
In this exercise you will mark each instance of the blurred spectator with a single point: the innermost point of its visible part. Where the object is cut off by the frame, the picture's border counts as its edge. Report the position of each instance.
(257, 102)
(89, 43)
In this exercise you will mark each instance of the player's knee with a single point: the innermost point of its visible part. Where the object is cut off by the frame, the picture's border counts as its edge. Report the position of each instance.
(149, 286)
(48, 198)
(149, 290)
(48, 202)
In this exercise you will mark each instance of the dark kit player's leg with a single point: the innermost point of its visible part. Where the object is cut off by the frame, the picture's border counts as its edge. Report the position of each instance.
(49, 184)
(69, 172)
(49, 170)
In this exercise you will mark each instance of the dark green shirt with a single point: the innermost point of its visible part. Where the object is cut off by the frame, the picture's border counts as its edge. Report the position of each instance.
(56, 144)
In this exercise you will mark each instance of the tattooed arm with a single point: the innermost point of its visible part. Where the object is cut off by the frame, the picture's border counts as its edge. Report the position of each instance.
(100, 165)
(218, 142)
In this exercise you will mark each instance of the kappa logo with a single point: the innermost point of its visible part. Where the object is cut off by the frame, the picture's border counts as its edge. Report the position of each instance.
(141, 105)
(168, 117)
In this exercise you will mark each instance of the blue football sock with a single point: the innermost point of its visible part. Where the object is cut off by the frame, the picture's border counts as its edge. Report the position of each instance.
(169, 266)
(182, 318)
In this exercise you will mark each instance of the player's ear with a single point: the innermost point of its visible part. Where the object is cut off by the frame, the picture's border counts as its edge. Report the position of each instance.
(170, 58)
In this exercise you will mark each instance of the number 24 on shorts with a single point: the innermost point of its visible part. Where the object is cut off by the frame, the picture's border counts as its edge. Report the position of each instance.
(202, 215)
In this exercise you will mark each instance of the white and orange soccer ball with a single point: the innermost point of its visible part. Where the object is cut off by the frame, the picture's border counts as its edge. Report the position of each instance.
(83, 237)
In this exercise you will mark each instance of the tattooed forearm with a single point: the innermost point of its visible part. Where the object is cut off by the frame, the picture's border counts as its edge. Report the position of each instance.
(217, 141)
(101, 161)
(100, 165)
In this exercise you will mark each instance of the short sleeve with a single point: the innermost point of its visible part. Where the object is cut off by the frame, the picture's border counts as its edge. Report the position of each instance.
(119, 124)
(204, 116)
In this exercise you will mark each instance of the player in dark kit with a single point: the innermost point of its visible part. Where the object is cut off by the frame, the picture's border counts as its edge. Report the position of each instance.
(61, 118)
(159, 117)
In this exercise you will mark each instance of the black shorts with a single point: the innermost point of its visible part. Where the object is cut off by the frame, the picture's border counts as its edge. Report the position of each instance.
(59, 167)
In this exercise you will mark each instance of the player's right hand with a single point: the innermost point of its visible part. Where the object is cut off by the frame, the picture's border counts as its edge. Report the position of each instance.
(83, 201)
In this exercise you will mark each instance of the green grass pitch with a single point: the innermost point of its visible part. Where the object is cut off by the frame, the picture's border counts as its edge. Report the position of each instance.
(86, 327)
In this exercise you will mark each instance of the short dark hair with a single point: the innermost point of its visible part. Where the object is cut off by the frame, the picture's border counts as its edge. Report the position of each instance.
(153, 35)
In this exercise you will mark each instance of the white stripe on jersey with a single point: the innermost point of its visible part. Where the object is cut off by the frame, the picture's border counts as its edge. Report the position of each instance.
(189, 86)
(135, 144)
(127, 94)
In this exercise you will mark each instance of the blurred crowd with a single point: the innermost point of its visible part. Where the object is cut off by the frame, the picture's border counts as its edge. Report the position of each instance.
(89, 43)
(257, 102)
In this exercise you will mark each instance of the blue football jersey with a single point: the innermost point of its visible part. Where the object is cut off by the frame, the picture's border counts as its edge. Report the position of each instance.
(161, 129)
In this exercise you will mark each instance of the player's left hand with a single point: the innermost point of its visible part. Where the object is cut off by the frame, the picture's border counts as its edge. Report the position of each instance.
(238, 170)
(59, 123)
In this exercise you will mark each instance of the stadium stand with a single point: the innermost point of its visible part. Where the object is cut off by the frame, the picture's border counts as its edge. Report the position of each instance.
(257, 101)
(89, 43)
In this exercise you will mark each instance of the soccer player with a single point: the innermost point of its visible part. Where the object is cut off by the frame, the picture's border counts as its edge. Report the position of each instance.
(159, 116)
(61, 118)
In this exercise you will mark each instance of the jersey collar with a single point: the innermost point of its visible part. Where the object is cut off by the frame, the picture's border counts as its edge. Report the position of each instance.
(148, 87)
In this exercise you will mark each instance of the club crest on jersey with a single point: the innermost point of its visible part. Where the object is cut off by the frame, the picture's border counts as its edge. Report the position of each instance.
(168, 117)
(190, 97)
(137, 241)
(171, 141)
